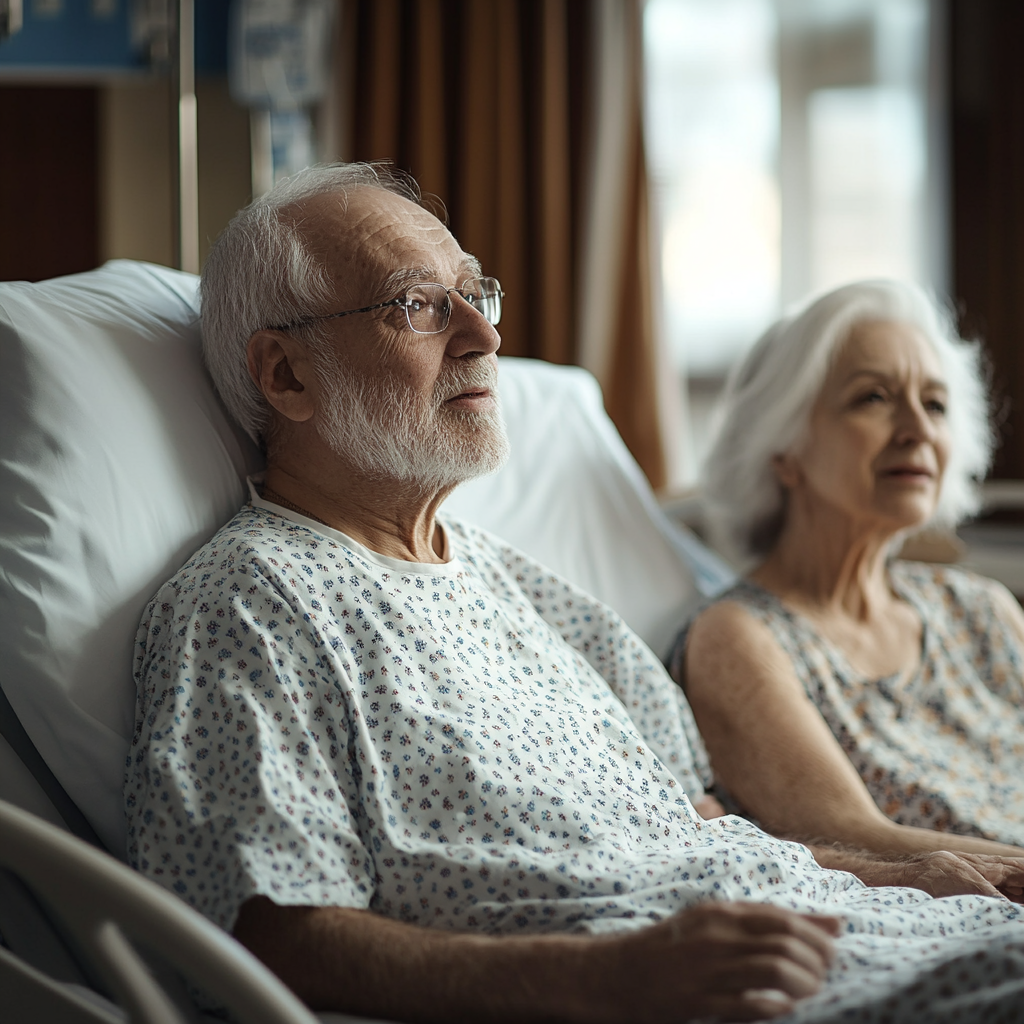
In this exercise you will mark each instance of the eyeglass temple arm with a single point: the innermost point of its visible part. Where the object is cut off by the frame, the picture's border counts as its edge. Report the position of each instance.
(307, 320)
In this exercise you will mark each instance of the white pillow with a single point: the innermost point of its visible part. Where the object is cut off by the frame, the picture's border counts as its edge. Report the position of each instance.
(117, 461)
(573, 497)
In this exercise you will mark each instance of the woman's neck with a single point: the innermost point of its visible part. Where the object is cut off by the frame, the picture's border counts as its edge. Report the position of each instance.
(834, 572)
(832, 568)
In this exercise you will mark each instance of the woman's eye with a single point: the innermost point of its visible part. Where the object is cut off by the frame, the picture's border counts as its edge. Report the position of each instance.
(870, 397)
(936, 405)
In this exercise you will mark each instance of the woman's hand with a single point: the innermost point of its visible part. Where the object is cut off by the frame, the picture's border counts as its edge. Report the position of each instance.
(938, 872)
(957, 874)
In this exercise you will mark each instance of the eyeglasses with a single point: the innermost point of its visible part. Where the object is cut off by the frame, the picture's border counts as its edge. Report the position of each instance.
(428, 307)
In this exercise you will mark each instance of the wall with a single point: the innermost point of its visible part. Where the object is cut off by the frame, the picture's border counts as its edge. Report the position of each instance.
(136, 179)
(48, 180)
(987, 142)
(86, 173)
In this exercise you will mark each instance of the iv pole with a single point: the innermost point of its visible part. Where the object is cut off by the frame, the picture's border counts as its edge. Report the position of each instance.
(187, 138)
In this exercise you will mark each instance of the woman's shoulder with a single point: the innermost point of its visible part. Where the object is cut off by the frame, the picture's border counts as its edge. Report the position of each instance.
(742, 605)
(970, 611)
(738, 616)
(745, 594)
(948, 584)
(950, 597)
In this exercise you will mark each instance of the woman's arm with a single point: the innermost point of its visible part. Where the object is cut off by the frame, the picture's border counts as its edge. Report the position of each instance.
(1007, 608)
(773, 751)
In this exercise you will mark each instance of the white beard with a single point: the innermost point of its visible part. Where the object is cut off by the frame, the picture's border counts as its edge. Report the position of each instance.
(388, 432)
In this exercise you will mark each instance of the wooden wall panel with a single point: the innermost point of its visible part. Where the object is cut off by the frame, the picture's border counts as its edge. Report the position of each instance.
(987, 138)
(48, 181)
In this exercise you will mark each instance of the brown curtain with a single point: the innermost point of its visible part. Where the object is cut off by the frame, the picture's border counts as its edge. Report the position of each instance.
(618, 339)
(488, 103)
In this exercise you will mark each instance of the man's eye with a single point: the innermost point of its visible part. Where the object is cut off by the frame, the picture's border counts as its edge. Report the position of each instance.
(417, 302)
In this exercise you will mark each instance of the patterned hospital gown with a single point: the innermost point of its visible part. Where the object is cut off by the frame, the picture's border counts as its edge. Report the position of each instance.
(942, 748)
(475, 745)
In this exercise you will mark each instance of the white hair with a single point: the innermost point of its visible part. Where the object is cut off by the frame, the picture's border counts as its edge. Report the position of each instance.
(260, 273)
(390, 432)
(766, 409)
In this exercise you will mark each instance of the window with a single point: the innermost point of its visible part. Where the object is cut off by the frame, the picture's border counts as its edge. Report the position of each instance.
(788, 148)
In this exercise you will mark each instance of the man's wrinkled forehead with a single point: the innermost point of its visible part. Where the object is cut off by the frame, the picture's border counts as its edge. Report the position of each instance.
(367, 236)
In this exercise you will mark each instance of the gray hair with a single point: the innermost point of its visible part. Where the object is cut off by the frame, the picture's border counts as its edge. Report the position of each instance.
(261, 272)
(768, 399)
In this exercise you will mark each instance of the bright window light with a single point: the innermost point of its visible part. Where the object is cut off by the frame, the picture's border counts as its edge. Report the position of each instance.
(788, 153)
(712, 131)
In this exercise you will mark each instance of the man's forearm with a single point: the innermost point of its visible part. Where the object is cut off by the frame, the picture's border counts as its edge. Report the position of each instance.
(336, 958)
(682, 968)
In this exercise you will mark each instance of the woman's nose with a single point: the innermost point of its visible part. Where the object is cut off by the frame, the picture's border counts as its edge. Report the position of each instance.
(914, 424)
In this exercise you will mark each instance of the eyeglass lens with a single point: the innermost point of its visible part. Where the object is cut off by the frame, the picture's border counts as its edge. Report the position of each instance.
(429, 306)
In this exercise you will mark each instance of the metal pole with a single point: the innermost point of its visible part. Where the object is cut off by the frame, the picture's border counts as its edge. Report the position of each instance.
(188, 141)
(262, 152)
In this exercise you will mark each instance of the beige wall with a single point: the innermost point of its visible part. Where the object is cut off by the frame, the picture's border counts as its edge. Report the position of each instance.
(136, 181)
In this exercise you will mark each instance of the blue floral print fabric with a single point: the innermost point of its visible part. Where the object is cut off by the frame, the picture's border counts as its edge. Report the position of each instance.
(475, 745)
(321, 724)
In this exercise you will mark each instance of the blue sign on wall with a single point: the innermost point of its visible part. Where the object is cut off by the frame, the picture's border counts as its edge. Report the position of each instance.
(94, 38)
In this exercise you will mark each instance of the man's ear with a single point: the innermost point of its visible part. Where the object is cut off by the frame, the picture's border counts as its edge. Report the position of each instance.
(282, 369)
(787, 470)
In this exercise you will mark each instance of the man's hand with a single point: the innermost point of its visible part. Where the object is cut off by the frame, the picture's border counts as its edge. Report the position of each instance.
(732, 961)
(960, 874)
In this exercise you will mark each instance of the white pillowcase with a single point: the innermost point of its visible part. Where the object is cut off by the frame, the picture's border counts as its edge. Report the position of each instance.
(573, 497)
(117, 461)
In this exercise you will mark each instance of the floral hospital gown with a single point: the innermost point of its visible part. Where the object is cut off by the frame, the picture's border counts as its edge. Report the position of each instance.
(944, 747)
(475, 745)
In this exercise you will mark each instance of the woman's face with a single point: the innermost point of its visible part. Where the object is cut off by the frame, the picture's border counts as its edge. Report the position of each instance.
(879, 441)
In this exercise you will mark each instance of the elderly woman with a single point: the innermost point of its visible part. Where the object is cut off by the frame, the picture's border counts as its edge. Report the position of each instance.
(846, 695)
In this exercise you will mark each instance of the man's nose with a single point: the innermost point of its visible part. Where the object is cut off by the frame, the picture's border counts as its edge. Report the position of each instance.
(469, 330)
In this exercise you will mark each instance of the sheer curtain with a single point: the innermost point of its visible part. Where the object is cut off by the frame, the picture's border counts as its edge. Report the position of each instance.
(524, 118)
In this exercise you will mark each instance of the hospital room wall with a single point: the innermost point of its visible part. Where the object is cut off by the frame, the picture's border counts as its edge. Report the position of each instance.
(86, 172)
(987, 172)
(136, 160)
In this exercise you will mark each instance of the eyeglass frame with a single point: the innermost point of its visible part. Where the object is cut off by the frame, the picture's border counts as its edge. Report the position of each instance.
(400, 301)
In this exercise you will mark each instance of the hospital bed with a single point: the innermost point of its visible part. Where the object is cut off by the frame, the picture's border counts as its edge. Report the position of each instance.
(117, 461)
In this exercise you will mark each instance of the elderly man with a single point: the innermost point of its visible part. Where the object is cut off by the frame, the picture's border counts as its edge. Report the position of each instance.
(419, 776)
